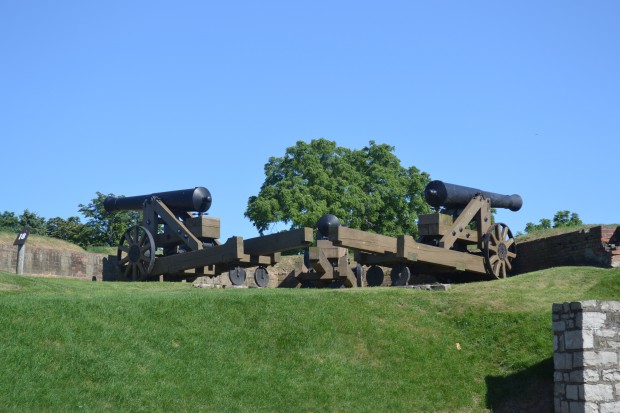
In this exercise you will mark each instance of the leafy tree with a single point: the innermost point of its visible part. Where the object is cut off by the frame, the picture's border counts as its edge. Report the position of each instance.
(566, 219)
(9, 222)
(366, 189)
(36, 223)
(107, 227)
(71, 230)
(560, 219)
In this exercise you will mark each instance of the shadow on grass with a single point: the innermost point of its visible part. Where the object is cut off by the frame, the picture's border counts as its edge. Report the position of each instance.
(528, 391)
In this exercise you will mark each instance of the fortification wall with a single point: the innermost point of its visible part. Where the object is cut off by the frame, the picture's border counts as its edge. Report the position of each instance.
(51, 262)
(586, 342)
(598, 246)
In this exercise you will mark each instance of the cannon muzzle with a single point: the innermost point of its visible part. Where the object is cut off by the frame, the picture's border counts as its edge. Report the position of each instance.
(197, 199)
(441, 194)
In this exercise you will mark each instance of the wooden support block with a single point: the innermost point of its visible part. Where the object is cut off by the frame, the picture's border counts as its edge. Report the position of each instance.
(204, 227)
(434, 224)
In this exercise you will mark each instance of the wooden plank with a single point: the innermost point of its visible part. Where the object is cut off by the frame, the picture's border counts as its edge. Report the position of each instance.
(461, 261)
(226, 253)
(362, 241)
(282, 241)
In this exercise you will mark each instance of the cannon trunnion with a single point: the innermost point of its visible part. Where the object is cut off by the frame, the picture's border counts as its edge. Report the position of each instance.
(176, 241)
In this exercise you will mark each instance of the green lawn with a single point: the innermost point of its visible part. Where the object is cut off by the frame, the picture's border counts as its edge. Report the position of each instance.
(71, 345)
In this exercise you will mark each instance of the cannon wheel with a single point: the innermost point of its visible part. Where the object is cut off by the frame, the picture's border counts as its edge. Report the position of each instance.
(237, 275)
(499, 250)
(136, 253)
(261, 277)
(359, 275)
(400, 275)
(374, 276)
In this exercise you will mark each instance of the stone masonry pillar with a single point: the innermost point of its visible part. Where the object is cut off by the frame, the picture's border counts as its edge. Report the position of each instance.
(586, 343)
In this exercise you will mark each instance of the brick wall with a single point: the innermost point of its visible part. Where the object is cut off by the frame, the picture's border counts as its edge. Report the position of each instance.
(586, 342)
(597, 246)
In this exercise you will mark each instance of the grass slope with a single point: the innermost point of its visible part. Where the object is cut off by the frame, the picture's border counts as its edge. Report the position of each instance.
(71, 345)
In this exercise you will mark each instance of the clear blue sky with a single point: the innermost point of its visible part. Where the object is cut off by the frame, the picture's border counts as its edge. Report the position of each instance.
(134, 97)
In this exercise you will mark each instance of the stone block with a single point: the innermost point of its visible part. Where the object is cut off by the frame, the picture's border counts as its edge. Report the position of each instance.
(595, 359)
(591, 376)
(572, 391)
(591, 320)
(611, 375)
(598, 392)
(559, 326)
(557, 308)
(610, 306)
(611, 407)
(577, 340)
(606, 333)
(563, 361)
(589, 305)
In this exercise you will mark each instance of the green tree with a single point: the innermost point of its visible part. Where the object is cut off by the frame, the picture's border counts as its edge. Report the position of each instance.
(36, 223)
(72, 230)
(9, 222)
(366, 189)
(566, 219)
(106, 228)
(560, 219)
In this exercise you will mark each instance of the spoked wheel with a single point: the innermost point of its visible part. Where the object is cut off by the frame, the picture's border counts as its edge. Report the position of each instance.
(261, 277)
(400, 275)
(237, 275)
(500, 249)
(136, 253)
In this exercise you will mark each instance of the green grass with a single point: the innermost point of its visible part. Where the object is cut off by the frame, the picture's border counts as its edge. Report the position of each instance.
(69, 345)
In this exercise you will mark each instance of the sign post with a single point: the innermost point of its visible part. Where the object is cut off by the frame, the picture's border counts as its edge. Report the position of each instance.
(20, 241)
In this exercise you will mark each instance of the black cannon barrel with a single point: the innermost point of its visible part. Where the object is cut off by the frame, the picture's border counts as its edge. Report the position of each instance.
(441, 194)
(196, 199)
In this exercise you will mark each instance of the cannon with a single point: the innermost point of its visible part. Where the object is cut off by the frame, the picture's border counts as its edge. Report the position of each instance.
(196, 199)
(459, 238)
(439, 194)
(177, 241)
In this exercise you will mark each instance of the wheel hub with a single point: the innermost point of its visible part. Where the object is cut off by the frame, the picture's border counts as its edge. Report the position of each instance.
(502, 251)
(134, 253)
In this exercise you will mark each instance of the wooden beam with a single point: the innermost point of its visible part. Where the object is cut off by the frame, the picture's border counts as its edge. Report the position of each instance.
(227, 253)
(279, 242)
(362, 241)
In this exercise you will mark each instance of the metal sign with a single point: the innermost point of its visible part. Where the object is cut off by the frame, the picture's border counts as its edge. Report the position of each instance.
(22, 237)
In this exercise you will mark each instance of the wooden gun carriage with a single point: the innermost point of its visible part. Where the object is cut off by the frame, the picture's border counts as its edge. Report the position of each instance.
(459, 238)
(177, 241)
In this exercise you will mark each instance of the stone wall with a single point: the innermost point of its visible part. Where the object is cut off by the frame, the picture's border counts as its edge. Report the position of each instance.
(586, 342)
(51, 262)
(597, 246)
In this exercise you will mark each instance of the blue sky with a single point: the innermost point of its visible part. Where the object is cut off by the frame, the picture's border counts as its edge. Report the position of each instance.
(134, 97)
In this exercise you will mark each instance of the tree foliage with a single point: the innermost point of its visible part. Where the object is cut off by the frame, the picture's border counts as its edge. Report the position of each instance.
(71, 230)
(106, 228)
(367, 189)
(102, 228)
(9, 222)
(560, 219)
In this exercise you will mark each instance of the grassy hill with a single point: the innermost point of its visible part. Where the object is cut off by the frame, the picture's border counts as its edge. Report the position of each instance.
(72, 345)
